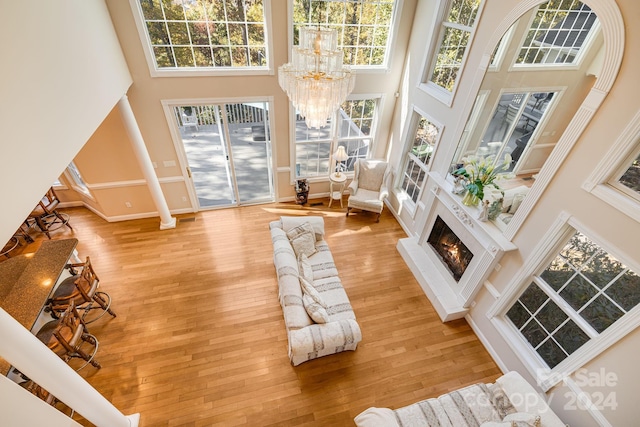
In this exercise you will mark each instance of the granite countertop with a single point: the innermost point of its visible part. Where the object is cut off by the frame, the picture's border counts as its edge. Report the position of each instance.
(26, 281)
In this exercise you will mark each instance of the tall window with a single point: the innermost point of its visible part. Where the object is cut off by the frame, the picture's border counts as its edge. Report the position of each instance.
(364, 27)
(201, 34)
(76, 179)
(628, 178)
(581, 293)
(419, 157)
(557, 34)
(513, 124)
(352, 127)
(455, 36)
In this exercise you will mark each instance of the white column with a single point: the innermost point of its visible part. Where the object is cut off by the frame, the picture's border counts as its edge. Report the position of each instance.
(23, 350)
(131, 125)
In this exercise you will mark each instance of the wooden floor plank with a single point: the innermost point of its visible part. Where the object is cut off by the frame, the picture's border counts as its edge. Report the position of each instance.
(200, 339)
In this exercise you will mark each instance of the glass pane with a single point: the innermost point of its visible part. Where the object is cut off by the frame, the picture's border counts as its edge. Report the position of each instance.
(363, 26)
(602, 269)
(557, 33)
(570, 337)
(601, 313)
(551, 316)
(533, 298)
(424, 140)
(631, 177)
(626, 290)
(558, 273)
(579, 250)
(205, 27)
(157, 33)
(551, 353)
(179, 33)
(449, 59)
(534, 333)
(518, 314)
(578, 292)
(463, 12)
(199, 34)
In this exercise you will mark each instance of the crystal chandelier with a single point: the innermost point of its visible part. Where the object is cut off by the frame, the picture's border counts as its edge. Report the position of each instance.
(315, 80)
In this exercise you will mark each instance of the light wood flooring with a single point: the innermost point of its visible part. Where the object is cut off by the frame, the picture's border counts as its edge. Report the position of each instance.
(199, 338)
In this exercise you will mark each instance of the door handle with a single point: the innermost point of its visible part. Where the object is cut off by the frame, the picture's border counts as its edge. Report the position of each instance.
(189, 172)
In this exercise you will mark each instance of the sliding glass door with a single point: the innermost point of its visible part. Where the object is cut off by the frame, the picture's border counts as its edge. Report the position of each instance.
(227, 149)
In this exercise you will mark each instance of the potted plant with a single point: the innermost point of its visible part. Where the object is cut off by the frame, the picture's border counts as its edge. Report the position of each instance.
(480, 172)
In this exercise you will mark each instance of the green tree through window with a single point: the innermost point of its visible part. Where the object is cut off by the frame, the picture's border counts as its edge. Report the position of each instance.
(363, 27)
(597, 288)
(205, 33)
(454, 39)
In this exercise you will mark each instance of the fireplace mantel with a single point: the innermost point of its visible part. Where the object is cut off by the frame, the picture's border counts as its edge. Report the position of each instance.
(452, 298)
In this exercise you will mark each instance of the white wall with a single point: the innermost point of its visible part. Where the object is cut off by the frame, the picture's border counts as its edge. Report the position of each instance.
(564, 193)
(63, 71)
(20, 408)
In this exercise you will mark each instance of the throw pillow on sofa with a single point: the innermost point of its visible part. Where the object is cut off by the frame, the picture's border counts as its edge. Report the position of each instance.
(317, 312)
(311, 292)
(305, 268)
(517, 419)
(317, 224)
(303, 239)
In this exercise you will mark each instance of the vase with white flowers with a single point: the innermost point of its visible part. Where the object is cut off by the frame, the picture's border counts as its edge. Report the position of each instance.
(479, 173)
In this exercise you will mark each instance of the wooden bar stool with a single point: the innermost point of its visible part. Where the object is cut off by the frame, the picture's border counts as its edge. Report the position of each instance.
(82, 290)
(46, 216)
(65, 336)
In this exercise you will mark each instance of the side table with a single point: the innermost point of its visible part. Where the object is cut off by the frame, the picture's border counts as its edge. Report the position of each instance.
(336, 187)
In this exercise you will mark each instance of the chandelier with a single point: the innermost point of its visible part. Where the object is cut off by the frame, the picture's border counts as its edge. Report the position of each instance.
(315, 80)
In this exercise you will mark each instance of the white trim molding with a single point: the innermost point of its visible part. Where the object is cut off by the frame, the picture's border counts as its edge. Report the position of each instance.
(597, 183)
(544, 252)
(612, 26)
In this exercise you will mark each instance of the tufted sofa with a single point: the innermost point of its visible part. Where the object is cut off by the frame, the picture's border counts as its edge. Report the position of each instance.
(510, 401)
(307, 339)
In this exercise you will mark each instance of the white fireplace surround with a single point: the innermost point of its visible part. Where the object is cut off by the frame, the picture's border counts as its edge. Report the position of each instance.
(452, 299)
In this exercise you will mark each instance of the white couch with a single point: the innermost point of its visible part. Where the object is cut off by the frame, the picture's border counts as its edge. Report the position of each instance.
(307, 339)
(510, 398)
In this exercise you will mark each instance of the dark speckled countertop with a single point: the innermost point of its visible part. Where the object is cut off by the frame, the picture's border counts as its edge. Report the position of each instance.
(27, 280)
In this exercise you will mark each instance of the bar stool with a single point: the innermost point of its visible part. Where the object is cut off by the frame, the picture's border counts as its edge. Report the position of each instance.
(80, 289)
(39, 392)
(46, 216)
(65, 336)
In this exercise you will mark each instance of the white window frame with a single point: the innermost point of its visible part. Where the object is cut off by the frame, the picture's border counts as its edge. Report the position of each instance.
(416, 114)
(438, 92)
(599, 182)
(72, 173)
(210, 71)
(334, 137)
(575, 65)
(548, 248)
(501, 50)
(391, 37)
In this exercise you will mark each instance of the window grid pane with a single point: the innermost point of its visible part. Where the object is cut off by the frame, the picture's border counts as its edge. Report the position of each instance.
(419, 157)
(631, 177)
(201, 34)
(356, 121)
(598, 287)
(453, 44)
(557, 33)
(352, 129)
(363, 26)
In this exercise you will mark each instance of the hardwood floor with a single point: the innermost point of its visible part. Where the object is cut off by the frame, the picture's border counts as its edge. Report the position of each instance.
(199, 338)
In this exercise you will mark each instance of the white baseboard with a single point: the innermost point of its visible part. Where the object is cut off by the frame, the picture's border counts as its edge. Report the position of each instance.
(487, 345)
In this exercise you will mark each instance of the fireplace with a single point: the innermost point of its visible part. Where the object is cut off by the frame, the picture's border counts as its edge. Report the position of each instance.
(454, 253)
(451, 250)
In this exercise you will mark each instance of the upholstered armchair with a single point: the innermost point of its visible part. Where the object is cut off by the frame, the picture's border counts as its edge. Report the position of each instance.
(368, 189)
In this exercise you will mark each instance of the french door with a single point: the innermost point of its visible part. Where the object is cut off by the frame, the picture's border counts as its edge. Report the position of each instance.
(226, 151)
